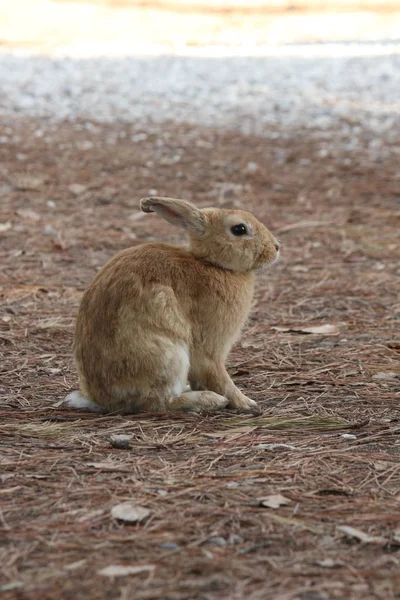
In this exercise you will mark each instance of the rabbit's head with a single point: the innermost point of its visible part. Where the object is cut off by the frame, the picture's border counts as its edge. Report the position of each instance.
(231, 239)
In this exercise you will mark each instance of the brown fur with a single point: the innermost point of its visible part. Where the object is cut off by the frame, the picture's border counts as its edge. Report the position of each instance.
(157, 315)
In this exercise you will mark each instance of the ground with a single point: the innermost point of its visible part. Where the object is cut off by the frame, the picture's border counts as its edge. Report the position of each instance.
(328, 436)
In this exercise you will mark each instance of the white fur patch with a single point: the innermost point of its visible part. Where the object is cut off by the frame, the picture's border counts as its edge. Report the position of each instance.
(184, 362)
(80, 402)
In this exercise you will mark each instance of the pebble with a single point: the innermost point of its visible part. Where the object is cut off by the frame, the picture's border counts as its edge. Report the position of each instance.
(348, 436)
(121, 441)
(169, 546)
(49, 230)
(77, 188)
(217, 541)
(252, 167)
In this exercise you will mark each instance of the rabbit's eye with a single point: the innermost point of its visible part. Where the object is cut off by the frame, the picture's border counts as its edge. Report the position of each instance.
(240, 229)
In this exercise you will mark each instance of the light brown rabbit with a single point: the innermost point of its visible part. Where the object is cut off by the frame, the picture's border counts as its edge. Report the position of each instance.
(157, 316)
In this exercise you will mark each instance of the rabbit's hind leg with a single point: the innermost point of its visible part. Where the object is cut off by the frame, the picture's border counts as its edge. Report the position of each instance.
(203, 401)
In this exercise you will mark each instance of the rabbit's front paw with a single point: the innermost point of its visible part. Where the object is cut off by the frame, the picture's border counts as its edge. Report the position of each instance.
(244, 404)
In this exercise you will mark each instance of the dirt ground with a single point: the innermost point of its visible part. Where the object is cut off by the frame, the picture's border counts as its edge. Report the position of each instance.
(327, 440)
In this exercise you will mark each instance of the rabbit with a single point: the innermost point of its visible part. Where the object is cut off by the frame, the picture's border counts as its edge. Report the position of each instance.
(157, 316)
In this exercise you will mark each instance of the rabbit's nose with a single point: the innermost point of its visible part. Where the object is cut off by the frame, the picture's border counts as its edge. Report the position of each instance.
(277, 245)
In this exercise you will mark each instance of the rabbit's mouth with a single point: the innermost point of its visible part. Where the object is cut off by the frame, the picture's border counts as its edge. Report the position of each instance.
(266, 260)
(266, 266)
(277, 257)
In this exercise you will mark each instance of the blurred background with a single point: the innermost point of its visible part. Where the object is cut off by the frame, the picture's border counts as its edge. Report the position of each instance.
(121, 26)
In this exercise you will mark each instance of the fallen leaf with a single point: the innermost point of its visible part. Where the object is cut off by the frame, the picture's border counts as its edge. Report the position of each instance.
(58, 404)
(300, 269)
(129, 512)
(254, 344)
(274, 501)
(91, 515)
(386, 375)
(316, 329)
(108, 466)
(75, 565)
(383, 465)
(360, 535)
(275, 447)
(13, 585)
(236, 431)
(122, 571)
(27, 213)
(26, 181)
(57, 245)
(5, 226)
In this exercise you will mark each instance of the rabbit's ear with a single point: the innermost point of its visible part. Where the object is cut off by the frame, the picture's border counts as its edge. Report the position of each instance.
(178, 212)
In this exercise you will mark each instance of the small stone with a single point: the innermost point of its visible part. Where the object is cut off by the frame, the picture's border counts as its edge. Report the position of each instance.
(169, 546)
(232, 485)
(129, 512)
(217, 541)
(252, 167)
(121, 441)
(348, 436)
(51, 203)
(49, 230)
(328, 563)
(77, 189)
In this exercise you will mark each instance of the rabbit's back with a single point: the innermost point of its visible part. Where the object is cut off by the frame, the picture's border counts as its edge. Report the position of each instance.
(128, 317)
